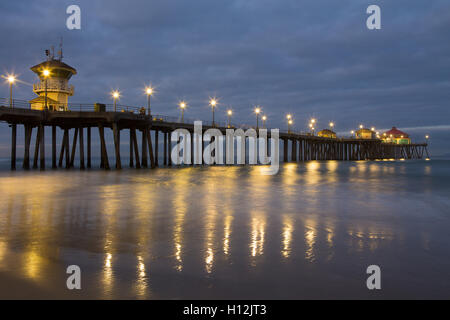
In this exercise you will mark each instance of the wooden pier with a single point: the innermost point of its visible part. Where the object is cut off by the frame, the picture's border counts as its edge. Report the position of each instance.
(144, 153)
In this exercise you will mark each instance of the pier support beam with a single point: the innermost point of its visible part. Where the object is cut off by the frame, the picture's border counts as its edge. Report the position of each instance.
(36, 148)
(89, 147)
(294, 150)
(300, 150)
(104, 152)
(144, 148)
(74, 148)
(169, 151)
(150, 147)
(53, 147)
(131, 149)
(42, 146)
(63, 146)
(13, 146)
(67, 148)
(156, 147)
(116, 133)
(135, 148)
(26, 152)
(285, 150)
(82, 167)
(165, 148)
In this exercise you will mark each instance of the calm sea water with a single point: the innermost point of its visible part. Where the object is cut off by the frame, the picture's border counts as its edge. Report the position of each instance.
(228, 232)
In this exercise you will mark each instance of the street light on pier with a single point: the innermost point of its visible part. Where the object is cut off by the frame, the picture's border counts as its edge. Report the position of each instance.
(149, 91)
(352, 132)
(257, 111)
(46, 74)
(264, 118)
(182, 106)
(311, 125)
(11, 80)
(289, 121)
(331, 125)
(115, 95)
(361, 126)
(213, 104)
(426, 138)
(229, 114)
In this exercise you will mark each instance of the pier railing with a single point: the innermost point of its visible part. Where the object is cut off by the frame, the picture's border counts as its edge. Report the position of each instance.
(90, 107)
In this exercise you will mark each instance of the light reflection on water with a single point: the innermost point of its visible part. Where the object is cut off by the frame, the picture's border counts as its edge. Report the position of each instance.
(229, 232)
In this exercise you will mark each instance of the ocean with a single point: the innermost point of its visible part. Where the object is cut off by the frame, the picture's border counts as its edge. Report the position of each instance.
(228, 232)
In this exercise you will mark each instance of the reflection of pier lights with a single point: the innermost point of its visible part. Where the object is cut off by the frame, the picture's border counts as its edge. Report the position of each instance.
(258, 229)
(288, 229)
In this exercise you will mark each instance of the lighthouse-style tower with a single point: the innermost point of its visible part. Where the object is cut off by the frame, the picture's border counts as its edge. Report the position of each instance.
(53, 89)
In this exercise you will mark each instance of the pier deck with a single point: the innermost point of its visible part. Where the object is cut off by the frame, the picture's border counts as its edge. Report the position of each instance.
(303, 147)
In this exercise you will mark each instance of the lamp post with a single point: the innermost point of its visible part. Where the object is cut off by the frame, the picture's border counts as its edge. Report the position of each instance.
(311, 125)
(116, 96)
(213, 104)
(257, 111)
(11, 80)
(331, 125)
(264, 118)
(426, 138)
(352, 133)
(46, 74)
(229, 114)
(182, 106)
(149, 92)
(289, 121)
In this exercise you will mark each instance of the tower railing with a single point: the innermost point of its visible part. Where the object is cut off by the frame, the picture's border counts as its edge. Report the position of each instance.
(40, 87)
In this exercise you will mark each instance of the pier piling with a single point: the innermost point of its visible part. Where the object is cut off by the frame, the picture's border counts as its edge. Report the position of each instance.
(131, 149)
(150, 147)
(156, 147)
(13, 146)
(116, 132)
(53, 147)
(135, 148)
(82, 167)
(89, 147)
(26, 152)
(42, 146)
(74, 148)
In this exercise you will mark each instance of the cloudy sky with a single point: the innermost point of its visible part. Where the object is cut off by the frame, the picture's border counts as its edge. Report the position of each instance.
(311, 58)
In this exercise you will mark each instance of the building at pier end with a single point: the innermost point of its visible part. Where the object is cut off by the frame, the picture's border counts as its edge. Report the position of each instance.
(396, 136)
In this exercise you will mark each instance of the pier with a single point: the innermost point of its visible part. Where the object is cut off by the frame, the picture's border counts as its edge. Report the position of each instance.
(87, 124)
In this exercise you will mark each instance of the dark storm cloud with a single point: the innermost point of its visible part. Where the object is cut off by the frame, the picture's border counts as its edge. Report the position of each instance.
(310, 58)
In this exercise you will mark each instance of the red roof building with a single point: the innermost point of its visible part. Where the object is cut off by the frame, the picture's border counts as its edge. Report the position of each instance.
(396, 136)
